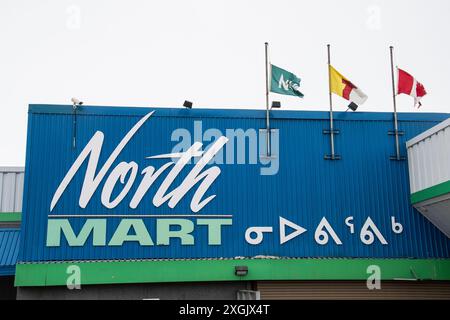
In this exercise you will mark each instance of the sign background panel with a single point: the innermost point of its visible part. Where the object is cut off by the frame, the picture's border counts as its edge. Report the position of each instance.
(365, 183)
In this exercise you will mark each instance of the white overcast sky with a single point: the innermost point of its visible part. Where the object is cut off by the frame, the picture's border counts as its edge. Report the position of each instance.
(159, 53)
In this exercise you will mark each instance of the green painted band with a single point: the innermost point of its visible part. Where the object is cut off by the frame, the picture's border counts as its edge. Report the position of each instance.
(432, 192)
(114, 272)
(10, 216)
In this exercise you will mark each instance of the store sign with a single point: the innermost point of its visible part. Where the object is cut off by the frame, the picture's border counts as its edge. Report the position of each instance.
(141, 187)
(198, 178)
(126, 173)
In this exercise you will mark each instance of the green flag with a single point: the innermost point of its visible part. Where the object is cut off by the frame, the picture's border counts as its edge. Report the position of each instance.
(285, 82)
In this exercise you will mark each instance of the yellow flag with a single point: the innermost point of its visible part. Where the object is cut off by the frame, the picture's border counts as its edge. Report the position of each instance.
(344, 88)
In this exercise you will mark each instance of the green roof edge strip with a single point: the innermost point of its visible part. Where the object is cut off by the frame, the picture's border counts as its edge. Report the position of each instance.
(432, 192)
(152, 271)
(10, 216)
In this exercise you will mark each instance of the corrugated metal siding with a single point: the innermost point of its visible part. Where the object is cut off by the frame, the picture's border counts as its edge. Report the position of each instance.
(429, 158)
(9, 250)
(353, 290)
(11, 189)
(364, 183)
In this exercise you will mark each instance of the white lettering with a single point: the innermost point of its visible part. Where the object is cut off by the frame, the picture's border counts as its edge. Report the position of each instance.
(259, 231)
(119, 172)
(92, 179)
(149, 177)
(283, 236)
(93, 149)
(323, 229)
(368, 232)
(349, 223)
(396, 226)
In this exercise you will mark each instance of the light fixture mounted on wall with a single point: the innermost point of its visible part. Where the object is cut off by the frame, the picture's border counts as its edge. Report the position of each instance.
(240, 271)
(187, 104)
(276, 105)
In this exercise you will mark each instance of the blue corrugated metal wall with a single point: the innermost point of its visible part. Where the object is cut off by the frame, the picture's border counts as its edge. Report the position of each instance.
(9, 250)
(365, 183)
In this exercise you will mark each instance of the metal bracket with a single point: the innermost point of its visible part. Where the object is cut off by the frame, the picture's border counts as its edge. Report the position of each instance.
(327, 131)
(268, 154)
(394, 158)
(335, 157)
(265, 157)
(399, 133)
(392, 133)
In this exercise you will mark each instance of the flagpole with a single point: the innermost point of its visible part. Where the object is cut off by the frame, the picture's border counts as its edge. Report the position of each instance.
(397, 145)
(267, 102)
(331, 105)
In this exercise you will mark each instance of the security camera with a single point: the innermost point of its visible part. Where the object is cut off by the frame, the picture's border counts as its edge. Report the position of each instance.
(76, 102)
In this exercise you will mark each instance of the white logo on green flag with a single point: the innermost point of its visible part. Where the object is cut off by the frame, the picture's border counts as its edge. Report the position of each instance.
(285, 82)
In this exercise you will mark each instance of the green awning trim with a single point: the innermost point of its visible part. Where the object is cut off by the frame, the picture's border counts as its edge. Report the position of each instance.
(151, 271)
(10, 216)
(430, 193)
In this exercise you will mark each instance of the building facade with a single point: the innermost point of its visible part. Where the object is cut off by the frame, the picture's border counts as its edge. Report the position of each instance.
(148, 203)
(429, 170)
(11, 193)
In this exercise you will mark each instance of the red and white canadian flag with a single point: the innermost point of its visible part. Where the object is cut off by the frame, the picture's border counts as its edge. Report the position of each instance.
(407, 84)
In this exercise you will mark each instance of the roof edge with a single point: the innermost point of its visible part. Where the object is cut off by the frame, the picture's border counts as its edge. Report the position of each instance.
(233, 113)
(427, 134)
(7, 169)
